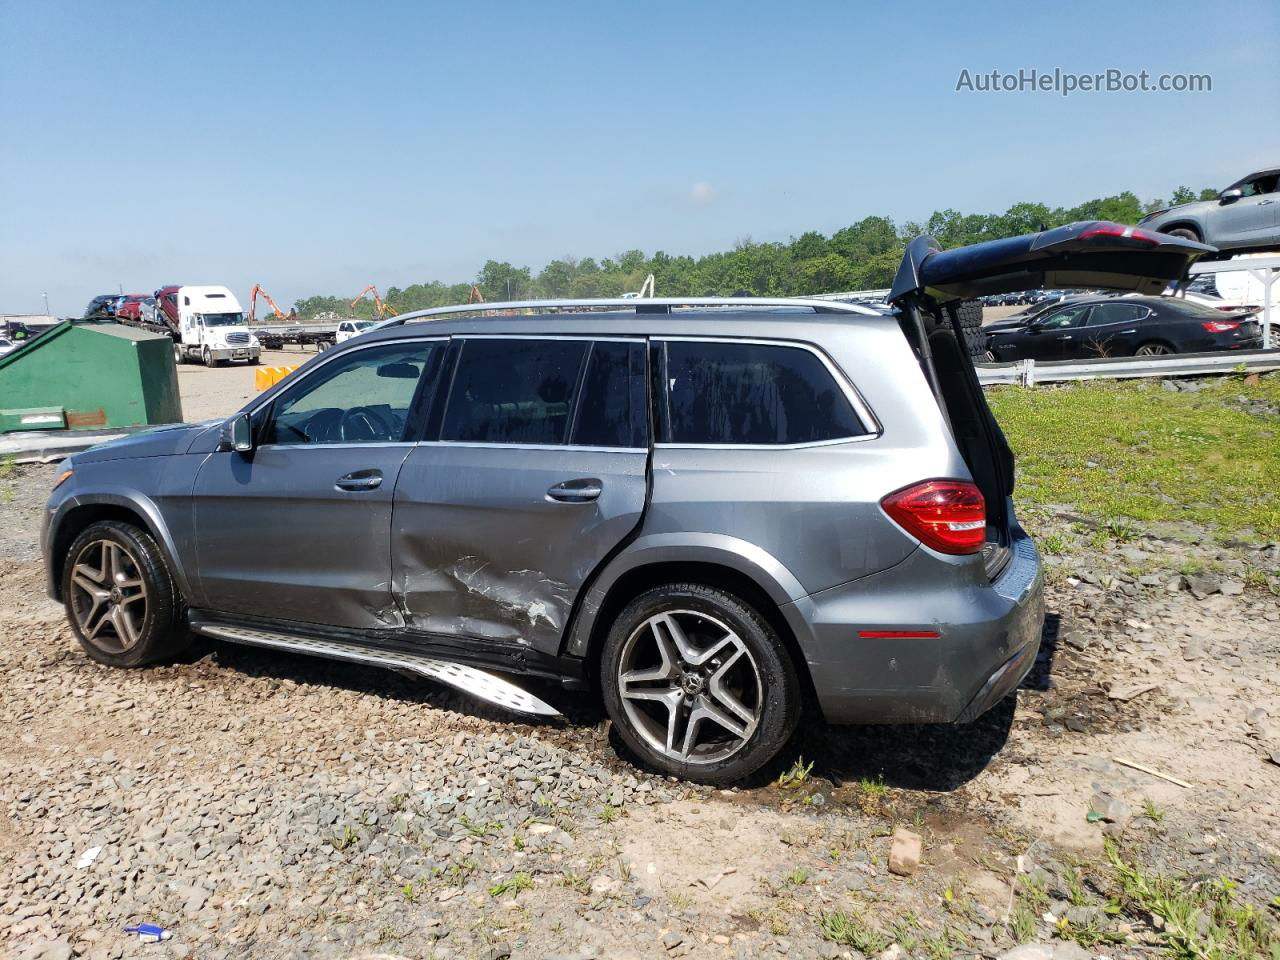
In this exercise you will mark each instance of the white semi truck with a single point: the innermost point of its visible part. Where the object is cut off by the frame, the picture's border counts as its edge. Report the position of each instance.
(207, 324)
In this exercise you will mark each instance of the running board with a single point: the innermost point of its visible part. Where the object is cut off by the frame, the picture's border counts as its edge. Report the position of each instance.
(478, 683)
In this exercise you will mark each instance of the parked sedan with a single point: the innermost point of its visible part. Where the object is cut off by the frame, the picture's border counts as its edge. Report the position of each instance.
(1094, 327)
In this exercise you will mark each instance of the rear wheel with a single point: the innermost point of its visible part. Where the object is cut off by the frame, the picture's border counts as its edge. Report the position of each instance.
(120, 598)
(698, 684)
(1153, 349)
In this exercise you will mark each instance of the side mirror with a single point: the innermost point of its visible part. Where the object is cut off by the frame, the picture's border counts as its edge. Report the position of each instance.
(237, 434)
(1227, 196)
(1035, 326)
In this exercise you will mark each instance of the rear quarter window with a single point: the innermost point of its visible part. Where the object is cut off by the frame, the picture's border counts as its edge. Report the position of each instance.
(720, 392)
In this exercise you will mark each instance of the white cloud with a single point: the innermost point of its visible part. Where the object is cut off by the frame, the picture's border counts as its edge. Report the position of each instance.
(702, 193)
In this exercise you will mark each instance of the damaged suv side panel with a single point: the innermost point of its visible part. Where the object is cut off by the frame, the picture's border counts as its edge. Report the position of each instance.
(480, 549)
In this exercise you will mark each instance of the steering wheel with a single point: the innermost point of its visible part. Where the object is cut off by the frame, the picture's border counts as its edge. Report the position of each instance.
(366, 424)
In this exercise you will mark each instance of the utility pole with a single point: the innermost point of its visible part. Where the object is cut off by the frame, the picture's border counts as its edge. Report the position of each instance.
(46, 303)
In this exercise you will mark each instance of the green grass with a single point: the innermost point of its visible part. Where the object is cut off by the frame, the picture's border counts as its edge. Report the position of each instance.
(515, 883)
(1202, 451)
(851, 930)
(1198, 920)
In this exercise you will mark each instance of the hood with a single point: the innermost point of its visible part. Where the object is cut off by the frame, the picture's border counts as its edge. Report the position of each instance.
(157, 442)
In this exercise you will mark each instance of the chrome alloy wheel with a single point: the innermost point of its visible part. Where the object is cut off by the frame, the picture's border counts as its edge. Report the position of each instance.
(690, 687)
(108, 596)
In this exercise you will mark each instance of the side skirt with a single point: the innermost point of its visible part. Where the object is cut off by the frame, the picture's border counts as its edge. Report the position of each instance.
(404, 657)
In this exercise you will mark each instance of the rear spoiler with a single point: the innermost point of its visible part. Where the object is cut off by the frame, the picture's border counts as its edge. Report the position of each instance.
(1096, 253)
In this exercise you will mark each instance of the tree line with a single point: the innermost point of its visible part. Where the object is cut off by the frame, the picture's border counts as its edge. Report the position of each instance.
(862, 256)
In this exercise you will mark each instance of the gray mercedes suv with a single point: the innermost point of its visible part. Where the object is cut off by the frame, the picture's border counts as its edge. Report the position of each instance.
(712, 513)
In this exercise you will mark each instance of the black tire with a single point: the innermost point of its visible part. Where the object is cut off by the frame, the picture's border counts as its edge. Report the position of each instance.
(776, 700)
(1185, 233)
(160, 630)
(975, 341)
(1154, 348)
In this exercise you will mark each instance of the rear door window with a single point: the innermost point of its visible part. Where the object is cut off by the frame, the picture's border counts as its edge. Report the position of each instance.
(1105, 313)
(514, 391)
(612, 411)
(724, 392)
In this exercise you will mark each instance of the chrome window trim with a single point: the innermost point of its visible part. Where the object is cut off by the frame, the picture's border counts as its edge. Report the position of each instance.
(335, 446)
(810, 444)
(842, 380)
(617, 338)
(492, 445)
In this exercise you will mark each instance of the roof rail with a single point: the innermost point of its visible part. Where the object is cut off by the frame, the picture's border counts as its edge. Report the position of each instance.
(640, 305)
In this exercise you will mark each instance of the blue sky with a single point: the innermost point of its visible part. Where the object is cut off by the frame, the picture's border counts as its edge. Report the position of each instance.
(318, 147)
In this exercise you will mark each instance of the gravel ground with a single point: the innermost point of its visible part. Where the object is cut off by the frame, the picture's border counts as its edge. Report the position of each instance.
(266, 806)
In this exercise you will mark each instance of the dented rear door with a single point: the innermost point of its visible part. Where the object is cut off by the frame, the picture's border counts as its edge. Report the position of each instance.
(537, 473)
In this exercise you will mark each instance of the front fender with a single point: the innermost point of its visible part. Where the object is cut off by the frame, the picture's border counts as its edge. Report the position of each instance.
(118, 497)
(765, 570)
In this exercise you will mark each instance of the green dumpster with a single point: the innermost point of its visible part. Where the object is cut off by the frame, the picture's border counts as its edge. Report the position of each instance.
(98, 374)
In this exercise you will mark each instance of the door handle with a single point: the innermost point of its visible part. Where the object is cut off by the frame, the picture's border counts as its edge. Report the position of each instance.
(1263, 203)
(360, 480)
(583, 490)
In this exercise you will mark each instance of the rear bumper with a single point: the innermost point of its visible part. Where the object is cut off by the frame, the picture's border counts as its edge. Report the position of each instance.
(988, 637)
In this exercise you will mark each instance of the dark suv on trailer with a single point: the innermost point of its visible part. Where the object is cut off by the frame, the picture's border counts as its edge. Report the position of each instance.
(711, 512)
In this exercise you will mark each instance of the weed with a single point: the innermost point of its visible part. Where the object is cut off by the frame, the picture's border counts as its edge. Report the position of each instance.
(1054, 543)
(1198, 921)
(518, 882)
(475, 829)
(7, 465)
(410, 893)
(1075, 888)
(681, 901)
(795, 777)
(608, 813)
(852, 931)
(346, 839)
(1122, 529)
(1022, 925)
(870, 794)
(797, 877)
(1151, 811)
(518, 842)
(1032, 890)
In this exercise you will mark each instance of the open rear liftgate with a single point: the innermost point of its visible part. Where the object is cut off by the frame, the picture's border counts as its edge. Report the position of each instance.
(478, 683)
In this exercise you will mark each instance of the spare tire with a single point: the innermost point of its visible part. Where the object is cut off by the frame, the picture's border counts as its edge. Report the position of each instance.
(969, 313)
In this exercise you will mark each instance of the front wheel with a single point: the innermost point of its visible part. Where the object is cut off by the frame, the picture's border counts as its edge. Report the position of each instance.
(698, 684)
(120, 598)
(1184, 234)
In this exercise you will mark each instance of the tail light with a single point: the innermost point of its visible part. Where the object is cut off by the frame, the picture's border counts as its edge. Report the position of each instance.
(1122, 232)
(948, 515)
(1221, 326)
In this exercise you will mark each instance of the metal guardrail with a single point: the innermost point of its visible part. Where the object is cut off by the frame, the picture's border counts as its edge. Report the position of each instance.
(1028, 373)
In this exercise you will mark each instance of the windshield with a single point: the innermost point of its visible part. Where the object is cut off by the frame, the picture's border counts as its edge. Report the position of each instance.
(364, 324)
(223, 319)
